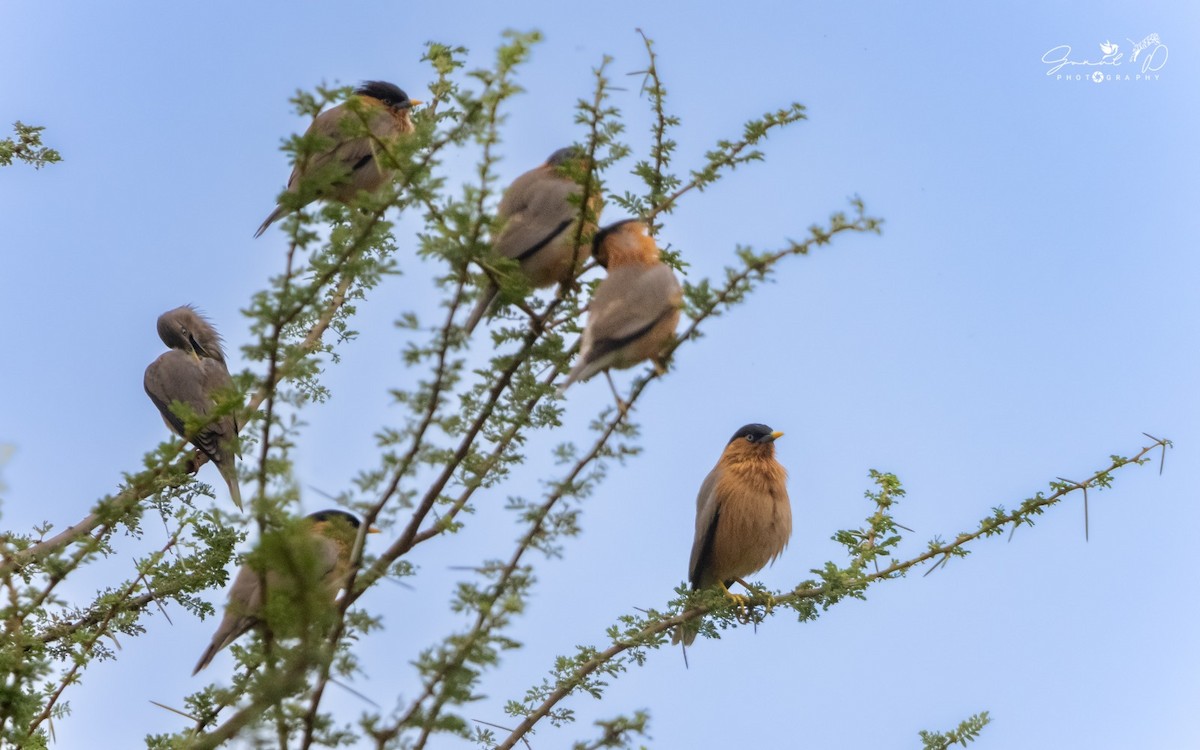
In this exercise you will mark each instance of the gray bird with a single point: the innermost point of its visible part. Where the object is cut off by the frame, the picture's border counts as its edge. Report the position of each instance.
(539, 231)
(634, 310)
(743, 516)
(194, 373)
(351, 161)
(333, 533)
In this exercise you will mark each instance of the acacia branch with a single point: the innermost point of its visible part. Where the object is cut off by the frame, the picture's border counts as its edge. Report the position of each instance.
(727, 296)
(653, 633)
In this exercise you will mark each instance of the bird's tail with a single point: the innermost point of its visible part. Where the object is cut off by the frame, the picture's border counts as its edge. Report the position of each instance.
(685, 633)
(206, 657)
(278, 212)
(583, 369)
(481, 308)
(229, 473)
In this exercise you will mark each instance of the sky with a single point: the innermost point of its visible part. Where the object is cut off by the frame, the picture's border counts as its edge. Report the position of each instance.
(1029, 309)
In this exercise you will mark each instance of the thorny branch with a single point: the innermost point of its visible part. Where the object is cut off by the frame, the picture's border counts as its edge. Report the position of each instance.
(653, 633)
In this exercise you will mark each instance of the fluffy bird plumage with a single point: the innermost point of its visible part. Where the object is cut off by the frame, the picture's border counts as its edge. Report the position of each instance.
(539, 228)
(743, 515)
(332, 532)
(194, 373)
(351, 162)
(634, 311)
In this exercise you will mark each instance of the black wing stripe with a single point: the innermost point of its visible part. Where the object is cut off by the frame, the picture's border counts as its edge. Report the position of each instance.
(601, 348)
(705, 551)
(545, 240)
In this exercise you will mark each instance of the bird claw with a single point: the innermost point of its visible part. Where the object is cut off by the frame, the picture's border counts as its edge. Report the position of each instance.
(740, 601)
(743, 613)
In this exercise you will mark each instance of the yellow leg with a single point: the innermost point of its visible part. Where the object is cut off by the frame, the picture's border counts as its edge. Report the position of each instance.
(737, 599)
(756, 591)
(621, 405)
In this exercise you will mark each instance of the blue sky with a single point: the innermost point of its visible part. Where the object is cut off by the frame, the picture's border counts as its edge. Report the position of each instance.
(1029, 309)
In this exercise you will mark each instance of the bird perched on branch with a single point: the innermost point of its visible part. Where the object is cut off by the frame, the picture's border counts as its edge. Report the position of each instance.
(743, 516)
(194, 374)
(324, 564)
(541, 224)
(634, 311)
(350, 159)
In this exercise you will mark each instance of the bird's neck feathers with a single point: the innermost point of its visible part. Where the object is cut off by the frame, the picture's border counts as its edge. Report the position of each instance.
(755, 456)
(399, 115)
(631, 249)
(403, 122)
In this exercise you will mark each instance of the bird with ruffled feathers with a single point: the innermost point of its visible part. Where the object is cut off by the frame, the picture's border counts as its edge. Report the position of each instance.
(540, 213)
(350, 160)
(193, 373)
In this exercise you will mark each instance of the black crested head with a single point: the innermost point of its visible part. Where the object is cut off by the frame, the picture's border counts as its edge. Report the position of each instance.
(755, 433)
(388, 93)
(600, 236)
(329, 515)
(563, 155)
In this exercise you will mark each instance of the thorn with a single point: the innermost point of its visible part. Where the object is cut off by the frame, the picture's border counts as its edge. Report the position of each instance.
(175, 711)
(1163, 444)
(354, 692)
(1078, 486)
(937, 564)
(1086, 535)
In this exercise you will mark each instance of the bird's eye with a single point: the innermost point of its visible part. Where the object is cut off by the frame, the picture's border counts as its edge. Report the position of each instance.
(749, 438)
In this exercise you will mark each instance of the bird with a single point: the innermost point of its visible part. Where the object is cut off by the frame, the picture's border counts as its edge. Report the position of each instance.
(194, 373)
(634, 311)
(540, 228)
(333, 533)
(350, 160)
(743, 516)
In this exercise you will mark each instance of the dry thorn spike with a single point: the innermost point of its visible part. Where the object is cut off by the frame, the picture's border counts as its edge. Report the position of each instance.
(506, 729)
(1163, 444)
(1086, 535)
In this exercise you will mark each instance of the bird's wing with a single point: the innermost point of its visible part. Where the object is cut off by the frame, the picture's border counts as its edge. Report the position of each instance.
(708, 512)
(347, 152)
(216, 378)
(176, 376)
(627, 304)
(242, 613)
(537, 209)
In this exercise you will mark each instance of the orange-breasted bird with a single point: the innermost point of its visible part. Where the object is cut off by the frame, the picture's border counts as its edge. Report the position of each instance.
(351, 160)
(540, 226)
(194, 373)
(333, 533)
(634, 311)
(743, 515)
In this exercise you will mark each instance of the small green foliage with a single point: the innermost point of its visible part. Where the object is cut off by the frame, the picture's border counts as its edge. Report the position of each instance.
(27, 147)
(964, 734)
